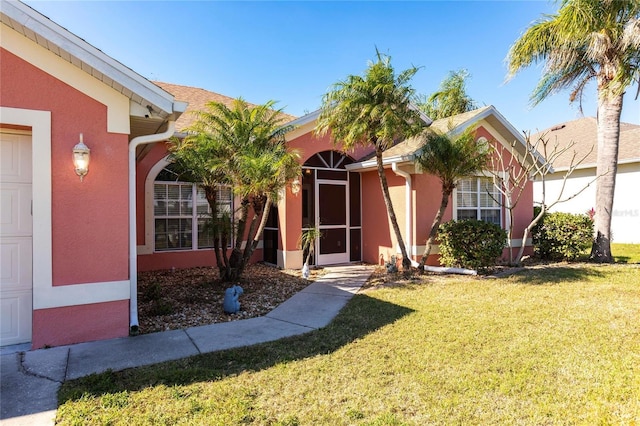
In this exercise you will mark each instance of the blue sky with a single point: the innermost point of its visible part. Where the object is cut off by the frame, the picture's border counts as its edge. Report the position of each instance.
(292, 52)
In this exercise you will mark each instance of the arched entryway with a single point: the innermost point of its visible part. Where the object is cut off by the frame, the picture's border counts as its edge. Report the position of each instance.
(331, 202)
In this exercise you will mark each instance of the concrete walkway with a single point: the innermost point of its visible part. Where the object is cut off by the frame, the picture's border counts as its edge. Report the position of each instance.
(31, 379)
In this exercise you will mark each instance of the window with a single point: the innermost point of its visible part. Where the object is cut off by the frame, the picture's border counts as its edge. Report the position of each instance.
(182, 213)
(476, 199)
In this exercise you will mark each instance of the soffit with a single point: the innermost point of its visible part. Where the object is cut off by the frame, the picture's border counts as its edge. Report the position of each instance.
(71, 48)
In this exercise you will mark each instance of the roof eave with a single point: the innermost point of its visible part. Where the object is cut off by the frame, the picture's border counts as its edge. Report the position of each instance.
(100, 65)
(372, 164)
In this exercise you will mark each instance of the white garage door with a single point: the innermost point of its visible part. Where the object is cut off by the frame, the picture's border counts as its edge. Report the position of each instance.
(16, 285)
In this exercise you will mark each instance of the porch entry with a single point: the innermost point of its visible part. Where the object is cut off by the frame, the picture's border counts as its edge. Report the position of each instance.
(331, 202)
(16, 236)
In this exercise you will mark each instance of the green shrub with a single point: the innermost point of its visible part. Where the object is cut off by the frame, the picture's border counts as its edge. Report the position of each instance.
(152, 292)
(473, 244)
(562, 236)
(161, 307)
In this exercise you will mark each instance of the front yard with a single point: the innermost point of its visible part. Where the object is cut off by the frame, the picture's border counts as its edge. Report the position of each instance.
(557, 345)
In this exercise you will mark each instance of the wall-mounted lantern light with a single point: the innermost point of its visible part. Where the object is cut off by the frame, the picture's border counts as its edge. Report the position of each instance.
(81, 155)
(295, 186)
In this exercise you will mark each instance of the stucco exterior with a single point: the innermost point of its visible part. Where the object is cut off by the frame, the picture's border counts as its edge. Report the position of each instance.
(625, 221)
(84, 265)
(88, 241)
(74, 271)
(580, 136)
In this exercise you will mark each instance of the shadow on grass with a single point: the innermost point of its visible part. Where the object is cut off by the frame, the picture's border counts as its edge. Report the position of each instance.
(361, 316)
(554, 275)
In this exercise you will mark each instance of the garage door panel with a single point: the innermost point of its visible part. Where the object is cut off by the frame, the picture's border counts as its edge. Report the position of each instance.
(15, 214)
(15, 318)
(16, 230)
(15, 264)
(15, 158)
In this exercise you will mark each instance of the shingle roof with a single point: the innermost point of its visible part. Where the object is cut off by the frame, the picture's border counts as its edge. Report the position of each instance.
(443, 125)
(584, 133)
(197, 99)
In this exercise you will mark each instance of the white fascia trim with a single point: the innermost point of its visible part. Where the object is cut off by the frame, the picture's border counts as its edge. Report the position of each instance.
(117, 104)
(85, 52)
(372, 163)
(301, 125)
(305, 119)
(45, 295)
(491, 110)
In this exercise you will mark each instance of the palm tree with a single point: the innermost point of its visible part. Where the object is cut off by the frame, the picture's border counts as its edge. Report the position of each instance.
(242, 146)
(585, 40)
(450, 159)
(450, 99)
(307, 243)
(373, 110)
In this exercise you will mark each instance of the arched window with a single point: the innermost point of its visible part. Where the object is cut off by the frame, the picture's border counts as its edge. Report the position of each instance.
(182, 214)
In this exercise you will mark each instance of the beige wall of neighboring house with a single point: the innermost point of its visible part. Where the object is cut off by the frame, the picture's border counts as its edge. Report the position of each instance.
(625, 223)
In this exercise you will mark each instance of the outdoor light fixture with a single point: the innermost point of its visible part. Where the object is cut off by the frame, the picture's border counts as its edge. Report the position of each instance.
(295, 186)
(81, 154)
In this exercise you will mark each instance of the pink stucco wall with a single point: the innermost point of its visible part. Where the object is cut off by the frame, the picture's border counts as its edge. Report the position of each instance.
(89, 218)
(378, 236)
(83, 323)
(308, 144)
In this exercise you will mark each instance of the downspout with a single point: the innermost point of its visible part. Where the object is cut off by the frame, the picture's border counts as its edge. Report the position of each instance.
(133, 246)
(408, 212)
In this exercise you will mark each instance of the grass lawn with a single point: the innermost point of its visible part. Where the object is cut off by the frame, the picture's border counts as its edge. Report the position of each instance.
(626, 253)
(545, 346)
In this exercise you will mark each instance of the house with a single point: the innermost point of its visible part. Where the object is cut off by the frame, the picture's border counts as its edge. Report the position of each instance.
(625, 219)
(155, 228)
(65, 241)
(341, 194)
(72, 245)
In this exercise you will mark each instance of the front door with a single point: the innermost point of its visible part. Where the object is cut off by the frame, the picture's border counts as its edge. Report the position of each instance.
(332, 219)
(15, 239)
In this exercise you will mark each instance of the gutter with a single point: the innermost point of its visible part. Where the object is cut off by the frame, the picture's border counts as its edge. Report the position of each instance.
(133, 249)
(408, 215)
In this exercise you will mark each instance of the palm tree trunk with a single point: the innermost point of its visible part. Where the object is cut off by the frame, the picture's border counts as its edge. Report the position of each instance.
(609, 109)
(444, 202)
(406, 261)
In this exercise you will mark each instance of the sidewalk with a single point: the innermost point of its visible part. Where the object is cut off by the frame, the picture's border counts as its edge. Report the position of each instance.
(30, 380)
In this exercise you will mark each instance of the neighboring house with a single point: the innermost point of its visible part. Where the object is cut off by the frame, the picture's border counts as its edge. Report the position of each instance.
(71, 248)
(625, 221)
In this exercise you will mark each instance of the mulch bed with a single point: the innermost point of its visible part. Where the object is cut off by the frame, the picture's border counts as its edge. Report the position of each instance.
(170, 300)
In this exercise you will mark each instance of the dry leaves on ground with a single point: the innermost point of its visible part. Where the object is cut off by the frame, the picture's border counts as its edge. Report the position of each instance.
(170, 300)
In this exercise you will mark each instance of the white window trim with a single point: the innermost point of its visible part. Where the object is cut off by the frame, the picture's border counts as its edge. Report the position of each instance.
(149, 215)
(504, 218)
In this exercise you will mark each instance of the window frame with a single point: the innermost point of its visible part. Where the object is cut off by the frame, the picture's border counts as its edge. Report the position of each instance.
(478, 208)
(195, 215)
(149, 246)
